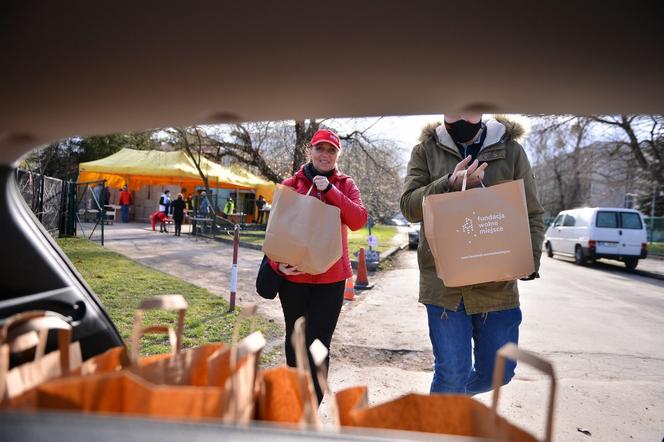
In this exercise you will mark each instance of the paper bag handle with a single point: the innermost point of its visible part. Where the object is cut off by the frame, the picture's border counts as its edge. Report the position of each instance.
(164, 302)
(465, 180)
(298, 340)
(28, 323)
(512, 352)
(248, 311)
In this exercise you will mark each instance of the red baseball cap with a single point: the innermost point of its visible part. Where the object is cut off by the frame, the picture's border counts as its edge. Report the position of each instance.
(326, 136)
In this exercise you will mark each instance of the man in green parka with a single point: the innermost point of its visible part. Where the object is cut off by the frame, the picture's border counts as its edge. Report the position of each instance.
(472, 322)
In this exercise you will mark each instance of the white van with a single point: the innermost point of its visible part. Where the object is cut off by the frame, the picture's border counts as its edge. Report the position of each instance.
(599, 232)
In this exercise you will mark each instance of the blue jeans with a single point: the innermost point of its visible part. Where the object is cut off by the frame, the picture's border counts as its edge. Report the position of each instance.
(451, 334)
(125, 213)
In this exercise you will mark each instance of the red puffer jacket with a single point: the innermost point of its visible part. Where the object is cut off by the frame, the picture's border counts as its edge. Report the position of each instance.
(344, 195)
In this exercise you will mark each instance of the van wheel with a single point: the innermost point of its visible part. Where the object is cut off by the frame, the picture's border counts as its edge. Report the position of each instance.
(579, 258)
(549, 249)
(631, 263)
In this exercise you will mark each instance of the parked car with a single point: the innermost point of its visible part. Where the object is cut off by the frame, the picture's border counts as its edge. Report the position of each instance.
(600, 232)
(414, 236)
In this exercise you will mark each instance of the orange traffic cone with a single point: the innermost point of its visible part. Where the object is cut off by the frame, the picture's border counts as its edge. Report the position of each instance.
(349, 292)
(362, 279)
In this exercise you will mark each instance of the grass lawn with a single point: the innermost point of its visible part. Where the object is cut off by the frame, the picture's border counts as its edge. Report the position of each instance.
(357, 239)
(383, 234)
(656, 248)
(120, 283)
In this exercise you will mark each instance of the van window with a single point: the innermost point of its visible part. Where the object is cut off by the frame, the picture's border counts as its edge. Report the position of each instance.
(558, 221)
(630, 220)
(569, 221)
(607, 219)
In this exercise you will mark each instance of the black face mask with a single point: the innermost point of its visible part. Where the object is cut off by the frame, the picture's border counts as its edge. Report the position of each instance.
(462, 131)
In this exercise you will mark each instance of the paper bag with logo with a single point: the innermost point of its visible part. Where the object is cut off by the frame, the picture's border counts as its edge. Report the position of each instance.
(479, 235)
(303, 231)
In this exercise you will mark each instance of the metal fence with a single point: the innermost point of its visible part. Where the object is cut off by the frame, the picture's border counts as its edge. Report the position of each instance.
(655, 226)
(64, 208)
(46, 197)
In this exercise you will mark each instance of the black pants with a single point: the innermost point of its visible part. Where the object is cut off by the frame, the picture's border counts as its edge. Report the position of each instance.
(320, 304)
(178, 225)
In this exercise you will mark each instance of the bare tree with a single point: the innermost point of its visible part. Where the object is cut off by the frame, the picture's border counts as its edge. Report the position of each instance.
(193, 141)
(278, 149)
(578, 157)
(561, 162)
(643, 135)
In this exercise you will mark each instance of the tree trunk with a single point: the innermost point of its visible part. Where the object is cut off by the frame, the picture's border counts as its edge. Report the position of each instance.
(304, 131)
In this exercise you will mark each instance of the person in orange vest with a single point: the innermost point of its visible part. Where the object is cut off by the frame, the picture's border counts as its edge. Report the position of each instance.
(124, 201)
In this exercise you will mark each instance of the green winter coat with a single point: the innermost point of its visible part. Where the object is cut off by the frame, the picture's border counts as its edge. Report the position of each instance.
(431, 163)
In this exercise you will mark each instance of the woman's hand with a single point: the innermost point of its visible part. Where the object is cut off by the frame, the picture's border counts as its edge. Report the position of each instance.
(289, 270)
(321, 182)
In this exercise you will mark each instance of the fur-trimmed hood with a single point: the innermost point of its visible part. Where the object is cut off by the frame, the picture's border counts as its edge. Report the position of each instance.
(499, 128)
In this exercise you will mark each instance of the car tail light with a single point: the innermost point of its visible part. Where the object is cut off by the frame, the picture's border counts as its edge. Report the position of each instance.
(644, 246)
(592, 244)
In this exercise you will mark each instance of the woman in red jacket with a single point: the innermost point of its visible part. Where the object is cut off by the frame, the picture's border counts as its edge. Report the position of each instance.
(319, 297)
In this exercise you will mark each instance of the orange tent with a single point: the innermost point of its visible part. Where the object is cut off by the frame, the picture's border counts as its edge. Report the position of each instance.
(137, 168)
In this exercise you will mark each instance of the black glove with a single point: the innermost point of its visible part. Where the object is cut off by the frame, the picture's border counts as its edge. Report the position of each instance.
(531, 277)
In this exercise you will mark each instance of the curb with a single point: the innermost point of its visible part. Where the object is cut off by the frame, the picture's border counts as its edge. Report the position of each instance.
(246, 245)
(370, 265)
(654, 275)
(373, 266)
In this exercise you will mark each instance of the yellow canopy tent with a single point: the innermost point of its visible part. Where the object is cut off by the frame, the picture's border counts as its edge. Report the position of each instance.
(137, 168)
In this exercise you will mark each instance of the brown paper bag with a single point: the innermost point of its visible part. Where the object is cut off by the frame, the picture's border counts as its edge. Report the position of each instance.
(23, 331)
(446, 413)
(303, 231)
(479, 235)
(213, 364)
(124, 392)
(189, 367)
(286, 395)
(209, 381)
(118, 358)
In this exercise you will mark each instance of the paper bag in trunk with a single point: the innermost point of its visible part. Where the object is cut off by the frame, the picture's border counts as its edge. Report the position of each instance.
(286, 394)
(303, 231)
(446, 413)
(24, 331)
(479, 235)
(209, 381)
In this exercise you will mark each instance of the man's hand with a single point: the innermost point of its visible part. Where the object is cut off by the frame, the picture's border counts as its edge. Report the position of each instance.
(321, 182)
(475, 174)
(289, 270)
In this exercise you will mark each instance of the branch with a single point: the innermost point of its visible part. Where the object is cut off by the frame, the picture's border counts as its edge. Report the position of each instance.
(604, 121)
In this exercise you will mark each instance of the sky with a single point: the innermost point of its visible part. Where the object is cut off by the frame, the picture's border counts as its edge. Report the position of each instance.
(404, 131)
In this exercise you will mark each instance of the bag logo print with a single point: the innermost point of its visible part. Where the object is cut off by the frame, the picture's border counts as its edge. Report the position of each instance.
(487, 225)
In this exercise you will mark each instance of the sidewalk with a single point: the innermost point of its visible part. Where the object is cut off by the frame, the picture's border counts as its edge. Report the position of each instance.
(198, 260)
